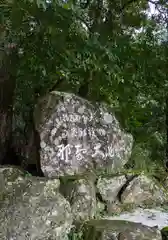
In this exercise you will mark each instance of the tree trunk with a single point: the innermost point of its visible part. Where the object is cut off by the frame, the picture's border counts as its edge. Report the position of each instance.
(7, 88)
(166, 134)
(31, 161)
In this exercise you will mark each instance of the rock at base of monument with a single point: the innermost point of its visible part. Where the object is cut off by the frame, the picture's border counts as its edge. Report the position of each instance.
(119, 230)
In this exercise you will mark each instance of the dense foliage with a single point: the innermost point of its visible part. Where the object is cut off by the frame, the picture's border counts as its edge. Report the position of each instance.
(106, 51)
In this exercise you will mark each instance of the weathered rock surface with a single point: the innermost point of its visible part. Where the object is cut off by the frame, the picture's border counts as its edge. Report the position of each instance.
(38, 208)
(120, 192)
(120, 230)
(82, 196)
(110, 187)
(77, 136)
(157, 216)
(32, 208)
(10, 182)
(142, 189)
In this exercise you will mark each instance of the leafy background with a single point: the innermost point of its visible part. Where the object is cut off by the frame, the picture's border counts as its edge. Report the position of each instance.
(105, 51)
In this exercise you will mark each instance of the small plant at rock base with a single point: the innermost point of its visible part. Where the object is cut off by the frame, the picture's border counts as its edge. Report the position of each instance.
(75, 236)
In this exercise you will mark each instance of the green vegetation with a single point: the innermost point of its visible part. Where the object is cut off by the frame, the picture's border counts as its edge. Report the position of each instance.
(164, 232)
(96, 50)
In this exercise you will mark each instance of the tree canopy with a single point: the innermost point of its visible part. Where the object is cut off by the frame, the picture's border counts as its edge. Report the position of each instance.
(105, 51)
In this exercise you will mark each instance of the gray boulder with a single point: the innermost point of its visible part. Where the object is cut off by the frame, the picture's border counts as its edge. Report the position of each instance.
(77, 136)
(143, 189)
(32, 208)
(121, 193)
(110, 187)
(82, 197)
(120, 230)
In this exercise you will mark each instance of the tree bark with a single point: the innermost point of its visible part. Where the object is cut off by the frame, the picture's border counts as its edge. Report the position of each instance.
(31, 161)
(166, 163)
(7, 88)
